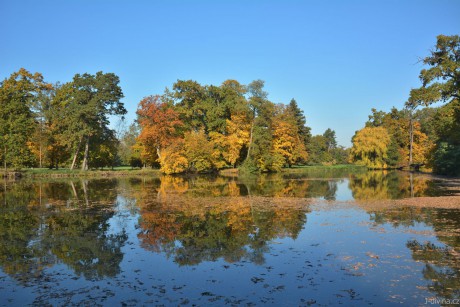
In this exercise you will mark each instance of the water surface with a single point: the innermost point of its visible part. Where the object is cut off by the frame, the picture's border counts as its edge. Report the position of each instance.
(274, 240)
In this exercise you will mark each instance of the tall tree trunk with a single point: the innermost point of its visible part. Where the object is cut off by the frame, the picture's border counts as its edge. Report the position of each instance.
(4, 189)
(411, 185)
(411, 132)
(4, 160)
(40, 154)
(84, 164)
(158, 152)
(85, 192)
(76, 154)
(74, 190)
(250, 138)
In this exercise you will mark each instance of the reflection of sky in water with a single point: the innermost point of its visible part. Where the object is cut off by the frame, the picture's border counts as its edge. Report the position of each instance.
(343, 190)
(339, 256)
(333, 259)
(329, 262)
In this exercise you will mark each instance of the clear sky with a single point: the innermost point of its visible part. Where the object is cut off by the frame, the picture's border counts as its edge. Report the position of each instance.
(338, 59)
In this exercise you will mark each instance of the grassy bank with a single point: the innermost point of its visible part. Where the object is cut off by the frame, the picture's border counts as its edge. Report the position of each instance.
(323, 171)
(307, 168)
(66, 173)
(125, 171)
(309, 171)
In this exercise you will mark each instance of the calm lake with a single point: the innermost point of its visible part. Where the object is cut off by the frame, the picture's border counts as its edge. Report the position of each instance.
(297, 239)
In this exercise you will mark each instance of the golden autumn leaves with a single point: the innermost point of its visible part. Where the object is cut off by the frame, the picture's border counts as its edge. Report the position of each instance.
(182, 133)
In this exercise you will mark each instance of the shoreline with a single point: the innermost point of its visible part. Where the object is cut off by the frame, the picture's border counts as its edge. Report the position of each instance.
(66, 173)
(127, 171)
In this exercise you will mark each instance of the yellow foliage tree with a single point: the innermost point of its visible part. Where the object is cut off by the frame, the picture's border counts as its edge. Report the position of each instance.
(229, 145)
(422, 145)
(286, 137)
(174, 159)
(370, 146)
(199, 151)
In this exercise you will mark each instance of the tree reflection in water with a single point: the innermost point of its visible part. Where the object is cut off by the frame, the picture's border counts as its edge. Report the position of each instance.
(195, 220)
(442, 263)
(379, 185)
(43, 224)
(86, 226)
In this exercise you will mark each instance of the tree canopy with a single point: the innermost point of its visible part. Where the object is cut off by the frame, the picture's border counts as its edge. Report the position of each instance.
(200, 128)
(427, 136)
(193, 127)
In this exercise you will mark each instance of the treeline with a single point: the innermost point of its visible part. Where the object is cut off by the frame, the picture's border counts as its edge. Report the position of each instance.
(190, 128)
(200, 128)
(42, 124)
(419, 135)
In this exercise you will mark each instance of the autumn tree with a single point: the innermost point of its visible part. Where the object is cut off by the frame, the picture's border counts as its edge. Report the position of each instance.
(207, 127)
(159, 124)
(230, 144)
(408, 143)
(198, 151)
(174, 159)
(370, 147)
(287, 139)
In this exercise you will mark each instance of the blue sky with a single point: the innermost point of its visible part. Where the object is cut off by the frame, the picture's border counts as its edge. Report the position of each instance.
(338, 59)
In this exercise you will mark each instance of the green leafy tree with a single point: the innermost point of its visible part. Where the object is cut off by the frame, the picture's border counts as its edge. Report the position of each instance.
(42, 138)
(263, 153)
(18, 94)
(441, 82)
(257, 99)
(126, 144)
(331, 142)
(318, 150)
(340, 155)
(82, 110)
(189, 97)
(104, 149)
(304, 130)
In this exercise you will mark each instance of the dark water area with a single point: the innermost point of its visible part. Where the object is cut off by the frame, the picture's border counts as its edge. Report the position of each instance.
(297, 239)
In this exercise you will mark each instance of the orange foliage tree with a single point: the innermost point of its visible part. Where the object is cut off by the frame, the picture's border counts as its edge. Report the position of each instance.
(159, 124)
